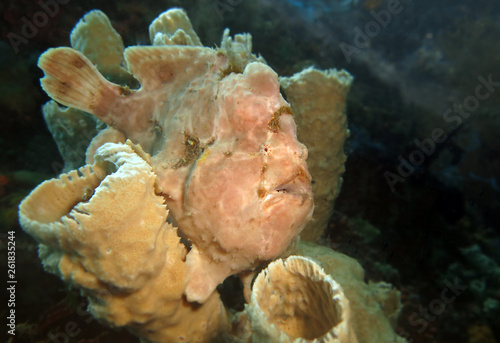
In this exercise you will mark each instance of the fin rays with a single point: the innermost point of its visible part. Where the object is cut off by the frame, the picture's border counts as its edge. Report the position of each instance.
(72, 80)
(154, 66)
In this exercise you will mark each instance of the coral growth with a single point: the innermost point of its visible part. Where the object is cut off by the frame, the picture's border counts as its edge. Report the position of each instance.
(193, 177)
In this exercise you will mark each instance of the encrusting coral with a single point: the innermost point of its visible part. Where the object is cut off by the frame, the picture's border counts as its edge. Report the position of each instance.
(197, 176)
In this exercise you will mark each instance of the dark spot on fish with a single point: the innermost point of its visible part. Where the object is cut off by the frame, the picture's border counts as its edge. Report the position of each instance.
(63, 88)
(78, 62)
(261, 192)
(192, 151)
(300, 173)
(265, 149)
(157, 127)
(274, 123)
(231, 68)
(125, 90)
(264, 168)
(164, 73)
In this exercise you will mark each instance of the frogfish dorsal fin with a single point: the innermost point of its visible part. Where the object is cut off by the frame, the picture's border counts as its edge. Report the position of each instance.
(155, 66)
(72, 80)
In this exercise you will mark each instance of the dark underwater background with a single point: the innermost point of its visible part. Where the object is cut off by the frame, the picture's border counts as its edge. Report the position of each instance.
(420, 202)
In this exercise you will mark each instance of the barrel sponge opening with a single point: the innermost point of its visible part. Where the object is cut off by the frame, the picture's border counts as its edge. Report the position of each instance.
(55, 198)
(294, 299)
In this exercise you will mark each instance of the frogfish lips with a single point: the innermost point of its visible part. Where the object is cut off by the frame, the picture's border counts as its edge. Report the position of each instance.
(286, 209)
(296, 189)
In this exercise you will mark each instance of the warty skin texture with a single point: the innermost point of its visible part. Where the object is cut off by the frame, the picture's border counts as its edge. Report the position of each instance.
(223, 147)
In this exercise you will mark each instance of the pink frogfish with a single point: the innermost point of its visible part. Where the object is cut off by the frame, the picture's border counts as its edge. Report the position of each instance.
(223, 146)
